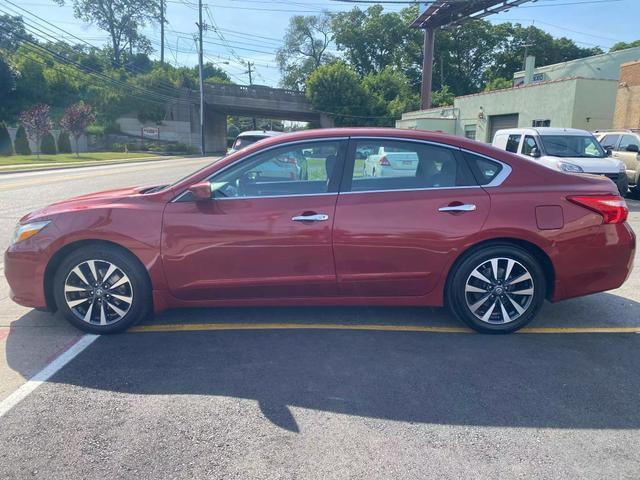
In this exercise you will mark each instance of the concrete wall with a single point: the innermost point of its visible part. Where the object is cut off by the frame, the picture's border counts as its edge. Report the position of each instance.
(627, 111)
(605, 66)
(82, 142)
(576, 103)
(170, 130)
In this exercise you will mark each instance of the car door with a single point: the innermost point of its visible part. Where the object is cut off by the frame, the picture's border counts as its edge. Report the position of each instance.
(394, 235)
(266, 231)
(627, 151)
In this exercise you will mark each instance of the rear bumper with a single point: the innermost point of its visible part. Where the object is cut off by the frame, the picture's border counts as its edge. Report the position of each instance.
(603, 261)
(24, 272)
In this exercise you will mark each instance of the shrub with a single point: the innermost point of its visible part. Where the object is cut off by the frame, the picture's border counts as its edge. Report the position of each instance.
(21, 144)
(64, 143)
(48, 144)
(6, 147)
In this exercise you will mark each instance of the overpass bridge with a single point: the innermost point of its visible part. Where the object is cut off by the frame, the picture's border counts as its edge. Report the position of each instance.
(222, 100)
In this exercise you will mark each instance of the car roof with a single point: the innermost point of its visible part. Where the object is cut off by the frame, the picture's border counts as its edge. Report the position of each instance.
(260, 133)
(542, 131)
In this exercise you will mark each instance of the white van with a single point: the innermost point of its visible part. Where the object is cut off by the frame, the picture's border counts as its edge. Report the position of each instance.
(565, 149)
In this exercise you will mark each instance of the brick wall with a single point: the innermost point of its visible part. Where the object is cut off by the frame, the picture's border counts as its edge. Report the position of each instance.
(627, 113)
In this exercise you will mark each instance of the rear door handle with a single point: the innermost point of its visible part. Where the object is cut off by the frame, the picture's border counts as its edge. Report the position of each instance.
(316, 217)
(467, 207)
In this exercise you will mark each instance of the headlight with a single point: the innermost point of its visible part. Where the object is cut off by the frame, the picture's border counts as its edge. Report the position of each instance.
(569, 167)
(28, 230)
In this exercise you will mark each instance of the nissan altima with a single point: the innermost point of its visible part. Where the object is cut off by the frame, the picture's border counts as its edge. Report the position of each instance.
(479, 230)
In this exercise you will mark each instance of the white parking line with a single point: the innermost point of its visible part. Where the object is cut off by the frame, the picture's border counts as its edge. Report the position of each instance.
(46, 373)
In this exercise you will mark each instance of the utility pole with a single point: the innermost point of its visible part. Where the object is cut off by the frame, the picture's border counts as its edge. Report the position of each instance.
(201, 76)
(249, 71)
(162, 4)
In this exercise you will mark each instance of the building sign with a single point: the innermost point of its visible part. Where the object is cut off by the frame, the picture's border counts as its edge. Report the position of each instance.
(150, 132)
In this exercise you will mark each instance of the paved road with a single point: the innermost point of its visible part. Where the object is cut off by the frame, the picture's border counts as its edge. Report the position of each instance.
(317, 403)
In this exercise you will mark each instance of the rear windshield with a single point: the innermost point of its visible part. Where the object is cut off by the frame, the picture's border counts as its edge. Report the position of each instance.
(584, 146)
(246, 140)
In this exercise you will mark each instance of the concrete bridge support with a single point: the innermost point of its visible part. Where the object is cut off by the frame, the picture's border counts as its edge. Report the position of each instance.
(215, 133)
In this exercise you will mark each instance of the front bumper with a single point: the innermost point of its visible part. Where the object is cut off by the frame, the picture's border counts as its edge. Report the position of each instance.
(24, 271)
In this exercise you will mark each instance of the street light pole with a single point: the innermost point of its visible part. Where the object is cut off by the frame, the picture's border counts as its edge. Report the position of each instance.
(201, 76)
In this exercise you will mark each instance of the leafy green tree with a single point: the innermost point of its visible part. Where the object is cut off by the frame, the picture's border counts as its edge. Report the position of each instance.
(21, 143)
(64, 143)
(336, 89)
(48, 144)
(390, 94)
(498, 83)
(624, 45)
(121, 19)
(6, 147)
(442, 97)
(8, 83)
(12, 32)
(305, 48)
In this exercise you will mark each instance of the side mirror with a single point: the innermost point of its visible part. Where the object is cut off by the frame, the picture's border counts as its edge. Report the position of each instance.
(201, 191)
(608, 150)
(535, 153)
(633, 148)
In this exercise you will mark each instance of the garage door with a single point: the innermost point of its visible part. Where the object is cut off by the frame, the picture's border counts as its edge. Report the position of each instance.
(498, 122)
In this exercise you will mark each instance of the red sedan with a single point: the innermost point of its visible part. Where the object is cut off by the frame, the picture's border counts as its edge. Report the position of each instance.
(451, 222)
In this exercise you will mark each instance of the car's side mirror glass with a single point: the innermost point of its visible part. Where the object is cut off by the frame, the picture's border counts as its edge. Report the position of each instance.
(201, 191)
(535, 153)
(633, 148)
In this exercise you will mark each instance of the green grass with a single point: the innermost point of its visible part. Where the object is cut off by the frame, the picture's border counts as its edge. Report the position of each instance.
(70, 158)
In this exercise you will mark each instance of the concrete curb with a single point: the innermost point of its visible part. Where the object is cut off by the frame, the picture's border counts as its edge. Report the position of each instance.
(68, 165)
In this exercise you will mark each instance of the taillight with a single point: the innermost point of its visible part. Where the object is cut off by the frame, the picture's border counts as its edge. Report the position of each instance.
(613, 208)
(384, 162)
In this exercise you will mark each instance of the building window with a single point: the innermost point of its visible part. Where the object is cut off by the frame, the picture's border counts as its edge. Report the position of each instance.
(541, 123)
(470, 131)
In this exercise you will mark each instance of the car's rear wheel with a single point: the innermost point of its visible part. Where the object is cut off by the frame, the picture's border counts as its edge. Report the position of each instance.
(497, 289)
(101, 289)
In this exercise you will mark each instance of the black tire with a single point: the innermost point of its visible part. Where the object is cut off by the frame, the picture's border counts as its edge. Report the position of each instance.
(458, 299)
(127, 266)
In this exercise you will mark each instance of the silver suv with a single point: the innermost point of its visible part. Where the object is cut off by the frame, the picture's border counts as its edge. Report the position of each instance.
(624, 145)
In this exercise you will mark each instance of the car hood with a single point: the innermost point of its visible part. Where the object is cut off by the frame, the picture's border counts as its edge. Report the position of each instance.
(589, 165)
(84, 202)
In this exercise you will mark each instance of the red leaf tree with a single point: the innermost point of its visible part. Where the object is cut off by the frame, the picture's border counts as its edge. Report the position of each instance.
(37, 123)
(76, 119)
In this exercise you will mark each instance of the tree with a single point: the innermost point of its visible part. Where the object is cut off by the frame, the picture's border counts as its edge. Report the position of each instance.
(37, 123)
(305, 48)
(64, 144)
(122, 19)
(391, 95)
(21, 143)
(443, 97)
(336, 89)
(498, 83)
(48, 144)
(76, 119)
(6, 148)
(12, 32)
(624, 45)
(8, 78)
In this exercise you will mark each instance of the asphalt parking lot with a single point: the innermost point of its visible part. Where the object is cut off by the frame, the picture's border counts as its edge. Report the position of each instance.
(320, 392)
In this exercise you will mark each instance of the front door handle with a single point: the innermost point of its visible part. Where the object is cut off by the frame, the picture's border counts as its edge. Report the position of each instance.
(316, 217)
(466, 207)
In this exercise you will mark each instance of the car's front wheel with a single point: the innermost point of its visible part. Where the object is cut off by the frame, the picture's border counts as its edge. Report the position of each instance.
(497, 289)
(101, 289)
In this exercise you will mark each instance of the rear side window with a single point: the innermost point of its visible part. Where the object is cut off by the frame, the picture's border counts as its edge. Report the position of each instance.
(483, 169)
(398, 165)
(610, 141)
(512, 143)
(628, 140)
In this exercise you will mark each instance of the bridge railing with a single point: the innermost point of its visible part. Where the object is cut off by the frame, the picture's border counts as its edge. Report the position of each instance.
(254, 91)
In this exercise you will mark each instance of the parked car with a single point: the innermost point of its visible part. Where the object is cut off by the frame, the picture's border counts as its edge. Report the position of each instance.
(565, 149)
(386, 161)
(250, 137)
(624, 145)
(483, 231)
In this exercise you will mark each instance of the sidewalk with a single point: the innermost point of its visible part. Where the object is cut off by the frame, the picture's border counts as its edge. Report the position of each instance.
(31, 167)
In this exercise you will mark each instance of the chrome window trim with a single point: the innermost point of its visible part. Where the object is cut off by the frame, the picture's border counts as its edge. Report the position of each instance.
(254, 197)
(351, 192)
(502, 175)
(259, 152)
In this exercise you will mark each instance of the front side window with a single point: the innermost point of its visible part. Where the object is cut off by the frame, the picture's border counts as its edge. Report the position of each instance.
(566, 146)
(299, 169)
(530, 146)
(513, 142)
(397, 165)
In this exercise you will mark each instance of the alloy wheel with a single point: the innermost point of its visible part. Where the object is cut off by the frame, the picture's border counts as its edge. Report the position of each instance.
(499, 290)
(98, 292)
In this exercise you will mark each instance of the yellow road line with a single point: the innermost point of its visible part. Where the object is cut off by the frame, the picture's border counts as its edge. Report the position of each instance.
(191, 327)
(65, 178)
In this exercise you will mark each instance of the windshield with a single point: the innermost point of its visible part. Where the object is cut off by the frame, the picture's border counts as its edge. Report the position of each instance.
(582, 146)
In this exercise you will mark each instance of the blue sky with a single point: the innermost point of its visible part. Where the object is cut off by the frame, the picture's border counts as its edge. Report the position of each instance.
(588, 22)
